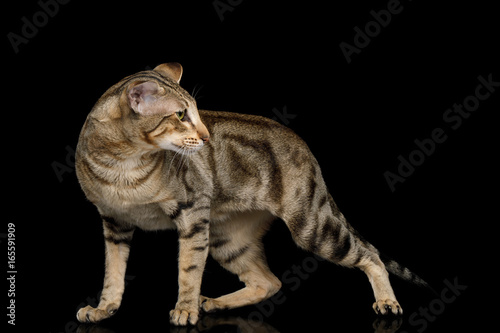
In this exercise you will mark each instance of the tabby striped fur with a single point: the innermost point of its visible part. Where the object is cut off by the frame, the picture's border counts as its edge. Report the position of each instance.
(143, 166)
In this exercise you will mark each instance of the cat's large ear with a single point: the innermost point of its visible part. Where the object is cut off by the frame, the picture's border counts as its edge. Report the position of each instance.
(148, 98)
(142, 97)
(172, 70)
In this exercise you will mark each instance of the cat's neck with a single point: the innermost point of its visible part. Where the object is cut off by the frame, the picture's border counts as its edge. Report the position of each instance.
(115, 149)
(125, 155)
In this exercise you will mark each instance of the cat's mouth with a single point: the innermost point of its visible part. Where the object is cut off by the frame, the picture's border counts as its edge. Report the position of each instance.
(189, 146)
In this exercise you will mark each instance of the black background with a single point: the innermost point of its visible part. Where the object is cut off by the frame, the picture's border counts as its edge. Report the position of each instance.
(357, 118)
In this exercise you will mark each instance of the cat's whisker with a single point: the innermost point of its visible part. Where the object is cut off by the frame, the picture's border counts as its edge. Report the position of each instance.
(190, 153)
(196, 90)
(187, 159)
(172, 161)
(182, 160)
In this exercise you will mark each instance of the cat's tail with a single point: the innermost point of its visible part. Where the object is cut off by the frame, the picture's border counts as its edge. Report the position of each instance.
(404, 273)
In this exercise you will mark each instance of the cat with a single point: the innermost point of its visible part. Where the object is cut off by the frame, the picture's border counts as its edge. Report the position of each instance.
(148, 158)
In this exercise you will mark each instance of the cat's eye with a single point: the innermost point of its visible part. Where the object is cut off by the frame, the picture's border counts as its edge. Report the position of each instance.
(181, 114)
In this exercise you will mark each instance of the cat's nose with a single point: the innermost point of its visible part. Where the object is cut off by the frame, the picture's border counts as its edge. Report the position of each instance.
(203, 133)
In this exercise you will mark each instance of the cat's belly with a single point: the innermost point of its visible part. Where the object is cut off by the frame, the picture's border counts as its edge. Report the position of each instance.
(145, 217)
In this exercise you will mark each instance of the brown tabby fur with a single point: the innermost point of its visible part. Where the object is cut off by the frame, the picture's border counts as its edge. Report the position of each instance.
(220, 179)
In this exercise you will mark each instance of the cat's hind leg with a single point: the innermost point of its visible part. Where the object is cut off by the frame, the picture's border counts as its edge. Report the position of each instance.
(117, 242)
(323, 230)
(260, 284)
(236, 245)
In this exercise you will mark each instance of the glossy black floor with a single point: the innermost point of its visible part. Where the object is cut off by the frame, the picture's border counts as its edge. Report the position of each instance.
(400, 111)
(316, 295)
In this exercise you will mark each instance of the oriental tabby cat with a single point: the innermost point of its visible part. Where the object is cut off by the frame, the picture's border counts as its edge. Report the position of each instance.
(233, 175)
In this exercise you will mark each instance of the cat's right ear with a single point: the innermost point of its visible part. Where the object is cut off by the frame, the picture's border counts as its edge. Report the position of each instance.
(172, 70)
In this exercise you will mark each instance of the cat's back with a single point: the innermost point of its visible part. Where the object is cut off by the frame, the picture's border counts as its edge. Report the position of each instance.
(254, 138)
(244, 126)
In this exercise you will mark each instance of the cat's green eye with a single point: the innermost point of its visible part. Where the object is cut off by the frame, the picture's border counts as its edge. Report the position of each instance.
(181, 114)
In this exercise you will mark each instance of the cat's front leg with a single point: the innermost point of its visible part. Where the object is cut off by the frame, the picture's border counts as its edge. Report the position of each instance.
(193, 251)
(117, 241)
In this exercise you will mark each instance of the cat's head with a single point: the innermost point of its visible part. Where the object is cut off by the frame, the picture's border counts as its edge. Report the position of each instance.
(156, 113)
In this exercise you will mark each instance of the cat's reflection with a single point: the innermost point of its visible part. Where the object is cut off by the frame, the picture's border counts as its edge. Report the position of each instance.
(92, 328)
(242, 325)
(387, 325)
(206, 323)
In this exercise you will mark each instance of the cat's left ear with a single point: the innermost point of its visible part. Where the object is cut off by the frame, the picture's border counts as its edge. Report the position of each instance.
(172, 70)
(147, 98)
(143, 97)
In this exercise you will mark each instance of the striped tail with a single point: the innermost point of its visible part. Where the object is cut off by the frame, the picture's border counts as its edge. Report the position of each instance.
(404, 273)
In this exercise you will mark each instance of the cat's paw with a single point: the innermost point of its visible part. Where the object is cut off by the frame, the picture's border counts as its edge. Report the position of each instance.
(89, 314)
(181, 317)
(208, 304)
(387, 307)
(203, 299)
